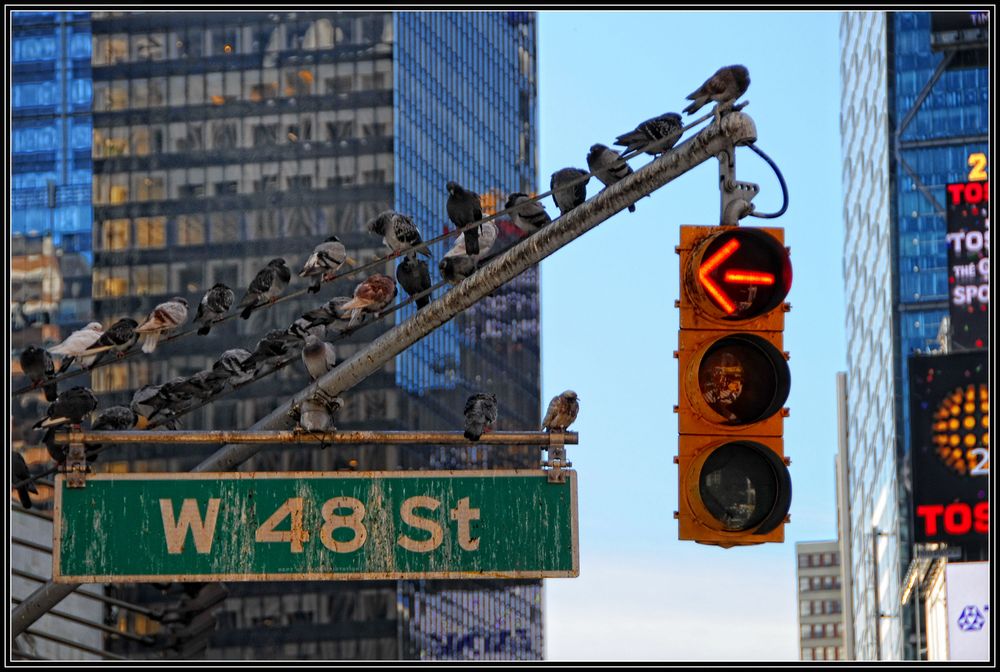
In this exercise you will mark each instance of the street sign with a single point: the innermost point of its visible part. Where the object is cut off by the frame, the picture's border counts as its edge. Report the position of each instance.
(300, 526)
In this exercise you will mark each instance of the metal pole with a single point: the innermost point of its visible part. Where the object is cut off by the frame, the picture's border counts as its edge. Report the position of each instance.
(358, 437)
(735, 129)
(97, 626)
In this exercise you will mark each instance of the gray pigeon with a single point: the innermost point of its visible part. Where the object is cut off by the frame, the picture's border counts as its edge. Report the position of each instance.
(725, 86)
(566, 194)
(480, 414)
(113, 419)
(20, 472)
(463, 209)
(214, 305)
(76, 344)
(119, 337)
(270, 349)
(317, 320)
(663, 132)
(398, 232)
(231, 362)
(456, 268)
(202, 385)
(607, 165)
(266, 286)
(314, 416)
(37, 365)
(70, 407)
(562, 412)
(414, 277)
(318, 356)
(165, 317)
(325, 260)
(527, 215)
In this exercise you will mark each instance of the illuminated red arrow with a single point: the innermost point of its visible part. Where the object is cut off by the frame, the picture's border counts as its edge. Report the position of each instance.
(734, 276)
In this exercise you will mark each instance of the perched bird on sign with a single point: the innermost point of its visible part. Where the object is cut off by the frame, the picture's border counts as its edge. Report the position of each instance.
(76, 344)
(370, 296)
(113, 419)
(214, 305)
(566, 194)
(562, 412)
(318, 356)
(20, 472)
(607, 165)
(325, 260)
(414, 277)
(398, 232)
(480, 414)
(527, 215)
(266, 286)
(165, 317)
(463, 209)
(663, 132)
(38, 367)
(70, 407)
(119, 337)
(725, 86)
(231, 362)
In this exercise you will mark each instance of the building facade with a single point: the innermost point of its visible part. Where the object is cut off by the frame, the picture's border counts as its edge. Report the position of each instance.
(912, 114)
(820, 595)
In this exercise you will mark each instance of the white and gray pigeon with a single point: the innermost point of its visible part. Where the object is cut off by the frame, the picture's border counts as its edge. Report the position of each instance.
(398, 232)
(119, 337)
(457, 264)
(464, 208)
(325, 260)
(527, 215)
(480, 414)
(266, 286)
(165, 317)
(568, 189)
(76, 344)
(725, 86)
(37, 365)
(214, 305)
(318, 356)
(414, 277)
(663, 132)
(608, 166)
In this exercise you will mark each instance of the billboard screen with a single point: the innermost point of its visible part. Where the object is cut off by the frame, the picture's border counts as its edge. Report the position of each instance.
(968, 241)
(949, 415)
(968, 604)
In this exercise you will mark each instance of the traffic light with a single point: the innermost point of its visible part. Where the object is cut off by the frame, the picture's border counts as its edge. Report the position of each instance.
(734, 488)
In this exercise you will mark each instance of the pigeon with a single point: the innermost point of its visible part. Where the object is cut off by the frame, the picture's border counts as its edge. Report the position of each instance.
(317, 320)
(527, 215)
(370, 296)
(663, 131)
(325, 260)
(487, 237)
(480, 414)
(271, 348)
(147, 401)
(76, 344)
(562, 412)
(457, 267)
(70, 407)
(314, 416)
(464, 209)
(113, 419)
(202, 385)
(20, 472)
(398, 232)
(119, 337)
(231, 362)
(37, 365)
(566, 194)
(266, 286)
(318, 356)
(607, 165)
(216, 303)
(725, 86)
(413, 276)
(165, 317)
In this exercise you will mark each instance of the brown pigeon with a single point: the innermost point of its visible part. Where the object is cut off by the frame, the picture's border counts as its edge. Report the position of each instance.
(725, 86)
(562, 412)
(370, 296)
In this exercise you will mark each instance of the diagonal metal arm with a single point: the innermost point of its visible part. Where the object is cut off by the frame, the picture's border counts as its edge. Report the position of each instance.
(735, 129)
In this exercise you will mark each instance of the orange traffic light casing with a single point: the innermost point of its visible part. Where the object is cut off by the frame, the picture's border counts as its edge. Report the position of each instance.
(733, 379)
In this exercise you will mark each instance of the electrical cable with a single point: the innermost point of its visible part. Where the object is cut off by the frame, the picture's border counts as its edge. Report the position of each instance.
(781, 180)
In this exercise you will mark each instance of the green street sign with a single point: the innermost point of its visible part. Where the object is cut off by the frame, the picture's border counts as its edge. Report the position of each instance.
(298, 526)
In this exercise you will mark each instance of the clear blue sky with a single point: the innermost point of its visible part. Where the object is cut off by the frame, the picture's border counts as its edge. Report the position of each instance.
(609, 327)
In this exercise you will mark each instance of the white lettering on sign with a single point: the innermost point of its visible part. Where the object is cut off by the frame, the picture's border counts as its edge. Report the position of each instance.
(352, 522)
(463, 514)
(294, 536)
(176, 530)
(968, 294)
(410, 518)
(973, 241)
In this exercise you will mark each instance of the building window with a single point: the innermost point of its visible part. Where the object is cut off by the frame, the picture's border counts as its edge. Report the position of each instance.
(150, 232)
(803, 583)
(262, 92)
(803, 561)
(265, 135)
(224, 135)
(339, 130)
(114, 234)
(190, 230)
(299, 182)
(805, 608)
(148, 47)
(186, 191)
(110, 282)
(149, 187)
(225, 227)
(149, 280)
(229, 187)
(192, 139)
(807, 654)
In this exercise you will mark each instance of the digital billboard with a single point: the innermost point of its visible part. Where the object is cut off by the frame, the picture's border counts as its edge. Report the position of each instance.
(968, 241)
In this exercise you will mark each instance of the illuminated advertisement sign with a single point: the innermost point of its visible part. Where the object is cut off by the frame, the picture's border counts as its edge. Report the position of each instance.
(968, 241)
(950, 419)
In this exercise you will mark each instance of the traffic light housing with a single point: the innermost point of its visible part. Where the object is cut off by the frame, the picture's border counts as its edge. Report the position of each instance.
(734, 488)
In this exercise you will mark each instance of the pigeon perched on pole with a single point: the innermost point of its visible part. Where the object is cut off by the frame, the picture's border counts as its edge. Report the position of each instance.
(480, 414)
(37, 365)
(325, 260)
(663, 132)
(214, 305)
(527, 215)
(463, 209)
(19, 472)
(266, 286)
(231, 362)
(566, 194)
(398, 232)
(725, 86)
(165, 317)
(562, 412)
(317, 321)
(76, 344)
(457, 264)
(607, 165)
(270, 349)
(318, 356)
(70, 408)
(414, 277)
(370, 296)
(113, 419)
(119, 337)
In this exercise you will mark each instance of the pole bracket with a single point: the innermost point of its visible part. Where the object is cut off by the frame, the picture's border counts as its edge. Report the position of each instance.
(556, 462)
(76, 463)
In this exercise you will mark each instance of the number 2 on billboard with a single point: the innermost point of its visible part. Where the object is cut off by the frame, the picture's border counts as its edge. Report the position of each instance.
(982, 467)
(978, 163)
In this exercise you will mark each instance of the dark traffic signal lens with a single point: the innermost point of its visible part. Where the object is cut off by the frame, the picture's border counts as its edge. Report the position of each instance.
(743, 378)
(745, 486)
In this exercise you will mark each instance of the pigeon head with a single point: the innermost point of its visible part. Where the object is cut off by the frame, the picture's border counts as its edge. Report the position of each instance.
(570, 394)
(741, 74)
(333, 239)
(276, 262)
(376, 224)
(513, 199)
(93, 326)
(596, 148)
(220, 285)
(453, 187)
(128, 321)
(181, 300)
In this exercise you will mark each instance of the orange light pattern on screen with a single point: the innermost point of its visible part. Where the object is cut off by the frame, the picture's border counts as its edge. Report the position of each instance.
(961, 424)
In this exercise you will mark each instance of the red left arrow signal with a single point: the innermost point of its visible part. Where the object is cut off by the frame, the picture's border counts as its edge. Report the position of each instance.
(733, 276)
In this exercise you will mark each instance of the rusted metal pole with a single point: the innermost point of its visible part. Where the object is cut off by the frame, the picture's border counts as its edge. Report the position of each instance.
(279, 437)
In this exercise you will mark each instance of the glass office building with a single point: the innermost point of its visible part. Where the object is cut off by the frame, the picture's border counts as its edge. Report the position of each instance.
(225, 139)
(911, 116)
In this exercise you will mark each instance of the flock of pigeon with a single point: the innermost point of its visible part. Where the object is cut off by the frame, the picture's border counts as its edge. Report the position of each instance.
(154, 405)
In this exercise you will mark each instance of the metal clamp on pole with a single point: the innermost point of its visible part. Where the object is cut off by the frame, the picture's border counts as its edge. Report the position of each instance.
(76, 463)
(736, 196)
(557, 458)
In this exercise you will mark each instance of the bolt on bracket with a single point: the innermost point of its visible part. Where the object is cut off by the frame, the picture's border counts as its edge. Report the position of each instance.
(736, 196)
(76, 464)
(557, 461)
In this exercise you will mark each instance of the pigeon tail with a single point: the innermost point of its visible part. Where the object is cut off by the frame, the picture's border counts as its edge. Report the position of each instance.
(631, 208)
(471, 432)
(22, 494)
(471, 241)
(149, 341)
(694, 107)
(204, 330)
(423, 301)
(246, 312)
(51, 391)
(314, 288)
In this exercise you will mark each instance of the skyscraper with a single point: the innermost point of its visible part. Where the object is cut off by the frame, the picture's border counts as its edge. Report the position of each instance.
(821, 611)
(225, 139)
(914, 113)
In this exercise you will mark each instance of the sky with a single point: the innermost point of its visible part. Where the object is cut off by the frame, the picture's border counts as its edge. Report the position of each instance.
(609, 327)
